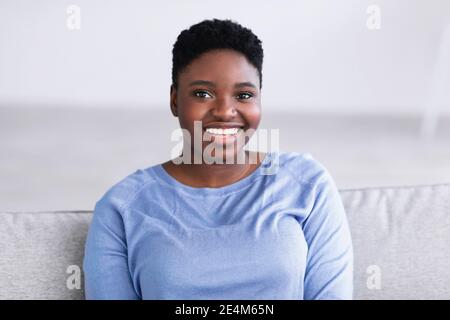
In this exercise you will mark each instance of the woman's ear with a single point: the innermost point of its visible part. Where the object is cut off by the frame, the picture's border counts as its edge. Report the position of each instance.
(173, 100)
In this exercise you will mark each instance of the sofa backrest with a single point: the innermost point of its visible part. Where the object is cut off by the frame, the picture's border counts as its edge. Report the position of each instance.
(401, 239)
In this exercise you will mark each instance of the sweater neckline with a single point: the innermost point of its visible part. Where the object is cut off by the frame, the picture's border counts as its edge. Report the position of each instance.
(237, 186)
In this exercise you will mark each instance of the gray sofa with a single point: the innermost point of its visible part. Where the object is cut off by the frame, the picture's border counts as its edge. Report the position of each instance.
(401, 238)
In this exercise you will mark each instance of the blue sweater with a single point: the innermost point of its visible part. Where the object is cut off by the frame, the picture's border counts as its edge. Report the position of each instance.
(279, 233)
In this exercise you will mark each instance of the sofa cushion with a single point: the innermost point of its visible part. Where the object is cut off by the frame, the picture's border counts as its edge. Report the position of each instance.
(401, 237)
(42, 252)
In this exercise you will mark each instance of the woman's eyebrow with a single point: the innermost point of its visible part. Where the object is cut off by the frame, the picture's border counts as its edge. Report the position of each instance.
(212, 84)
(244, 84)
(202, 83)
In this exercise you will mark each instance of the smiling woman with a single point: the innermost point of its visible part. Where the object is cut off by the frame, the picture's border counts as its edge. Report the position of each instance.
(229, 98)
(220, 230)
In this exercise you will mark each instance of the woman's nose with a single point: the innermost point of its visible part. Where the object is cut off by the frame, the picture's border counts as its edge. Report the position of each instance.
(224, 108)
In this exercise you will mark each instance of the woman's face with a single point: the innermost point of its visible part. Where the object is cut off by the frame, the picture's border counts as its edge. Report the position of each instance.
(220, 88)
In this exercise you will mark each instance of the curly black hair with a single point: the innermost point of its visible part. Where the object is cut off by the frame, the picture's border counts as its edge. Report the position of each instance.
(215, 34)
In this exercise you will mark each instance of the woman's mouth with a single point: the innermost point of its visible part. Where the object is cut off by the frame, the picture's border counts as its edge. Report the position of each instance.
(223, 135)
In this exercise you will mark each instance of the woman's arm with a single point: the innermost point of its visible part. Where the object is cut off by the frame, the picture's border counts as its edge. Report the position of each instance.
(329, 270)
(105, 265)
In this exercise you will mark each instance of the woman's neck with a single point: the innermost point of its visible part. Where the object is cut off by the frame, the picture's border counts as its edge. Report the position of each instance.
(214, 175)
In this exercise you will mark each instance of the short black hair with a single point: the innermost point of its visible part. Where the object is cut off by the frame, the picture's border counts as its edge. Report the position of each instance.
(215, 34)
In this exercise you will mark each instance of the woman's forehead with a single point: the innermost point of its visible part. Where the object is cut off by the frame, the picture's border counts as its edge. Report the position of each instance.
(220, 66)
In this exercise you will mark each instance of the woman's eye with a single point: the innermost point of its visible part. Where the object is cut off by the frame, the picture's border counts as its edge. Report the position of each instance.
(244, 96)
(201, 94)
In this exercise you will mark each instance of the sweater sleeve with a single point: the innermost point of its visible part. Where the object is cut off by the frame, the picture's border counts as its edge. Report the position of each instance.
(105, 265)
(329, 270)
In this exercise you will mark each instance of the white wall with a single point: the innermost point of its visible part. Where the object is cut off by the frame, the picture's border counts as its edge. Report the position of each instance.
(319, 55)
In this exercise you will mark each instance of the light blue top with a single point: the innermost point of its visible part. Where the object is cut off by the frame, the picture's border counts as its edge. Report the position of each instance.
(279, 233)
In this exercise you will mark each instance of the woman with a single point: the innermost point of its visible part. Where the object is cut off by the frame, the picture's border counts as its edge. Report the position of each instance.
(185, 229)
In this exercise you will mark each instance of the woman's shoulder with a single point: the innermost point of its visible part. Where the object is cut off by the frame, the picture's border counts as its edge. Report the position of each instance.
(125, 190)
(303, 167)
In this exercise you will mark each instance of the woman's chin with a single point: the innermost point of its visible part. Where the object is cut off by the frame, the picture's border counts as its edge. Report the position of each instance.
(228, 155)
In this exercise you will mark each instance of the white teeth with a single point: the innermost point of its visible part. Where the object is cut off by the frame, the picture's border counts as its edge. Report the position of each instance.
(229, 131)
